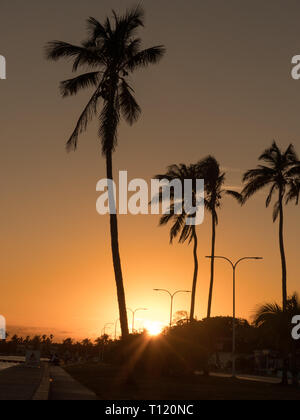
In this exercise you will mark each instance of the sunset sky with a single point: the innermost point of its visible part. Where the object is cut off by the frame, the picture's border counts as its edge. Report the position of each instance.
(224, 88)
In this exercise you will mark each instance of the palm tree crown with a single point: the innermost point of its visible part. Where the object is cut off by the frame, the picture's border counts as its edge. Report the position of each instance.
(271, 315)
(113, 51)
(275, 323)
(179, 228)
(279, 174)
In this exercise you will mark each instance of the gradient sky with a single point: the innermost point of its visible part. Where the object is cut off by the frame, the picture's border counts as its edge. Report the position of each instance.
(224, 88)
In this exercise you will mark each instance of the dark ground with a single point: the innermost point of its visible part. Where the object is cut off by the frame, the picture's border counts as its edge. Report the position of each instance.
(103, 380)
(19, 383)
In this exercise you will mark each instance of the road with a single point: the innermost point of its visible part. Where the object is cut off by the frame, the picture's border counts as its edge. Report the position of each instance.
(253, 378)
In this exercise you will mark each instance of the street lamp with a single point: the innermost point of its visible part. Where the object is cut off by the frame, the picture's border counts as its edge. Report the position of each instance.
(133, 315)
(116, 325)
(172, 298)
(103, 342)
(105, 327)
(234, 266)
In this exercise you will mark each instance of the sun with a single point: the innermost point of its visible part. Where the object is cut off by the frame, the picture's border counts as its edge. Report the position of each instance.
(153, 327)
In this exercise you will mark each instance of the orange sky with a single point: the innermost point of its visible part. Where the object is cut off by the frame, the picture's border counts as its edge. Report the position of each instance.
(224, 88)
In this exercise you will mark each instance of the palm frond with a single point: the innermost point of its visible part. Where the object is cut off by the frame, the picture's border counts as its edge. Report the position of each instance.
(291, 154)
(177, 226)
(133, 47)
(108, 28)
(72, 86)
(294, 170)
(186, 234)
(273, 155)
(146, 57)
(129, 107)
(235, 194)
(276, 210)
(266, 313)
(89, 56)
(254, 186)
(260, 171)
(132, 20)
(95, 29)
(88, 113)
(164, 220)
(270, 196)
(293, 192)
(57, 49)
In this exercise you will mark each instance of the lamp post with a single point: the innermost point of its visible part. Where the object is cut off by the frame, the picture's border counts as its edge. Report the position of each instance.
(105, 327)
(133, 315)
(116, 325)
(172, 299)
(103, 334)
(234, 266)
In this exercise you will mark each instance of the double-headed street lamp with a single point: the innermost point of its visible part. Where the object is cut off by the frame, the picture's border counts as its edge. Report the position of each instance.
(234, 266)
(172, 298)
(133, 315)
(103, 332)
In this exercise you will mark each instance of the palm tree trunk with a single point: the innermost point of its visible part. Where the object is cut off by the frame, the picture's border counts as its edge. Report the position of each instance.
(282, 253)
(195, 274)
(116, 258)
(284, 283)
(212, 265)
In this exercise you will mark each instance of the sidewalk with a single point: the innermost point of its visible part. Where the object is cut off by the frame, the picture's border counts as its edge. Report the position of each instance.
(253, 378)
(19, 383)
(64, 387)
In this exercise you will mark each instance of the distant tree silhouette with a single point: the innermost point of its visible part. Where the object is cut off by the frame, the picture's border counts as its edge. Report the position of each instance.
(214, 192)
(180, 317)
(113, 52)
(281, 174)
(276, 323)
(185, 232)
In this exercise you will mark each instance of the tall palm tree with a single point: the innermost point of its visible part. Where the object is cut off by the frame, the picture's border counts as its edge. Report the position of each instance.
(180, 229)
(113, 52)
(279, 173)
(214, 192)
(276, 325)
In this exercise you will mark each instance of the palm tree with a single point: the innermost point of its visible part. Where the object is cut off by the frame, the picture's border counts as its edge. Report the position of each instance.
(180, 228)
(279, 174)
(276, 323)
(113, 52)
(214, 192)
